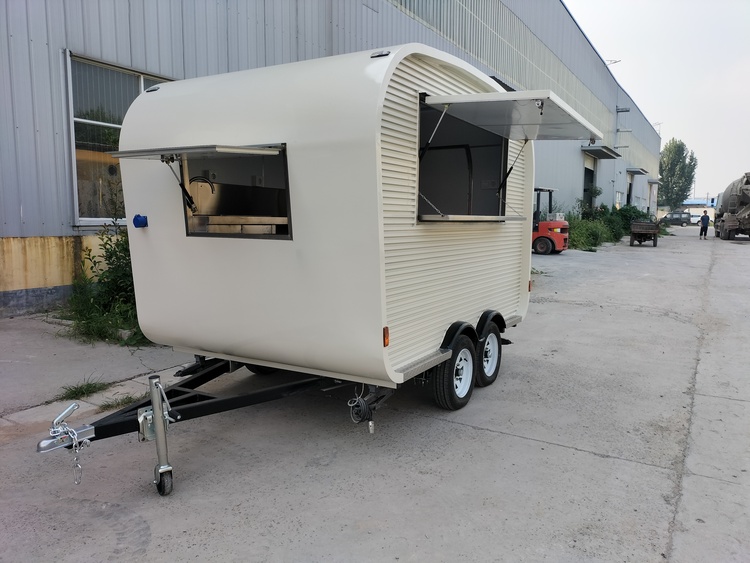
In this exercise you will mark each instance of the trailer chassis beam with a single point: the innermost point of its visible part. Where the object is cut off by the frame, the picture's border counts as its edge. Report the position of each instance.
(151, 417)
(187, 402)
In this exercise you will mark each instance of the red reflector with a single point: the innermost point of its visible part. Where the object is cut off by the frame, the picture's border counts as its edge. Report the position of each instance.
(386, 337)
(529, 286)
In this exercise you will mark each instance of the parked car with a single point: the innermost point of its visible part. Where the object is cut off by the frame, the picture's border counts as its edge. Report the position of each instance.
(677, 218)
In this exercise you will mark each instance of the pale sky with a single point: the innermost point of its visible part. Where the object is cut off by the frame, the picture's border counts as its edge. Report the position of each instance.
(686, 64)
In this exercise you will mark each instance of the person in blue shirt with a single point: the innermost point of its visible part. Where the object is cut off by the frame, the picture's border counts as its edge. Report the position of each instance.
(704, 225)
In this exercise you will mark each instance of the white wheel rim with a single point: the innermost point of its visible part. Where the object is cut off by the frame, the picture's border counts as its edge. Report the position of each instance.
(490, 354)
(463, 373)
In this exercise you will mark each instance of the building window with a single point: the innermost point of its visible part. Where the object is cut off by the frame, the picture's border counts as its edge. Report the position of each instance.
(461, 168)
(99, 97)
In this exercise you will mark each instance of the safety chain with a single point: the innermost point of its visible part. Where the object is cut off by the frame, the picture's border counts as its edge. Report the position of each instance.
(59, 431)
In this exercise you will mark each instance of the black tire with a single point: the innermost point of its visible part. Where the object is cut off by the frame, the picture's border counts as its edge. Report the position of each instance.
(632, 240)
(723, 233)
(542, 245)
(683, 224)
(164, 486)
(489, 355)
(453, 382)
(261, 370)
(731, 233)
(655, 239)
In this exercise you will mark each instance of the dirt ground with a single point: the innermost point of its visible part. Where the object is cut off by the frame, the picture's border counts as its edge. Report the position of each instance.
(619, 430)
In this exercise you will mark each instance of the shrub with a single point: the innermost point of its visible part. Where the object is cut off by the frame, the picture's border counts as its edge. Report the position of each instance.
(616, 226)
(601, 224)
(628, 214)
(103, 298)
(587, 234)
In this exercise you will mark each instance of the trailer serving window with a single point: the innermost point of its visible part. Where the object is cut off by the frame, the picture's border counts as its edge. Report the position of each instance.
(461, 169)
(230, 191)
(464, 160)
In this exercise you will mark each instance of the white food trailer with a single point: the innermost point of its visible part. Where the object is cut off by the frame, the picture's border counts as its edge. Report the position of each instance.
(362, 218)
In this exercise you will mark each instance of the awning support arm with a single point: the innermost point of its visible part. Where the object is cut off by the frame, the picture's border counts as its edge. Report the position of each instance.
(168, 160)
(424, 197)
(423, 150)
(507, 175)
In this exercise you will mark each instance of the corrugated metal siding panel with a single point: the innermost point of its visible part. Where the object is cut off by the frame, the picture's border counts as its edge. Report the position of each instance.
(280, 31)
(204, 35)
(42, 107)
(9, 180)
(59, 190)
(315, 30)
(246, 36)
(438, 273)
(137, 33)
(28, 127)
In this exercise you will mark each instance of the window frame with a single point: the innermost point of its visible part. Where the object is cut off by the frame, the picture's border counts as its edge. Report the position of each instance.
(254, 223)
(79, 221)
(259, 221)
(425, 147)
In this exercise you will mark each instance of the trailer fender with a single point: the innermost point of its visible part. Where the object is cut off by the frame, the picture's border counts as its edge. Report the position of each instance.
(457, 329)
(491, 316)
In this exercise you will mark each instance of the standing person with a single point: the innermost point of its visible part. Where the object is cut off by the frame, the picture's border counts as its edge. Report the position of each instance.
(704, 225)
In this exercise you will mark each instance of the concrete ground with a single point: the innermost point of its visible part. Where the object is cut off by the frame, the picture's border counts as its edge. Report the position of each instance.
(37, 360)
(619, 430)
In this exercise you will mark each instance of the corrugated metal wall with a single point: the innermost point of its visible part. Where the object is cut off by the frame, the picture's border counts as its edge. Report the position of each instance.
(527, 44)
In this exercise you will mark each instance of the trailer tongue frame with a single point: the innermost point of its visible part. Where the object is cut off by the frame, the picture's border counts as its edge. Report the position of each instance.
(185, 401)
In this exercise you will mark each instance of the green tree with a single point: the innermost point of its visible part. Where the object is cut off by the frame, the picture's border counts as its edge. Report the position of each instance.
(677, 170)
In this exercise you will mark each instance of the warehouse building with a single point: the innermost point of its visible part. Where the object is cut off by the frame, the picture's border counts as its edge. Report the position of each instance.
(70, 69)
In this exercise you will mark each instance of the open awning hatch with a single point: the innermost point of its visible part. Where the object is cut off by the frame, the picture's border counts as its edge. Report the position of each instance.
(531, 115)
(169, 155)
(203, 151)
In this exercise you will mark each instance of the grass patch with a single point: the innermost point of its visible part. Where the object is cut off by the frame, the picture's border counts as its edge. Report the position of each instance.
(81, 390)
(121, 401)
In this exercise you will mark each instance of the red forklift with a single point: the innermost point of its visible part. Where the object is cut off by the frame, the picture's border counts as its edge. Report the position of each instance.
(550, 236)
